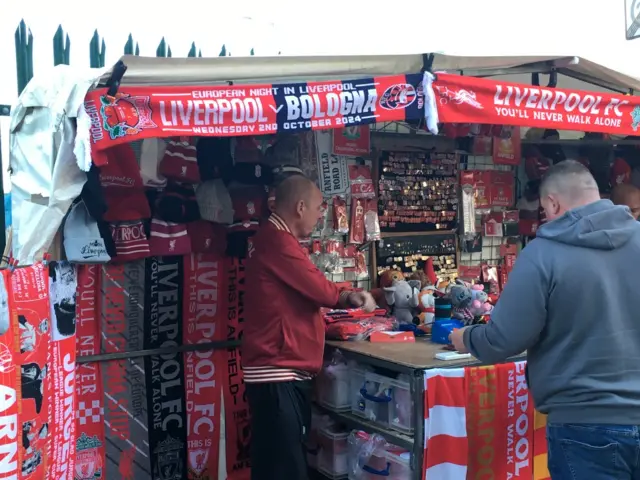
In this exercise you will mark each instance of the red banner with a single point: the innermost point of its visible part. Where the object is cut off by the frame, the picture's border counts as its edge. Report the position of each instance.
(61, 381)
(236, 406)
(29, 302)
(204, 321)
(10, 446)
(499, 422)
(90, 432)
(476, 100)
(352, 141)
(147, 112)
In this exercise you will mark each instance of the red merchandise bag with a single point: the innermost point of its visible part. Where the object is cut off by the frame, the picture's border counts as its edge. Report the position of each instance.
(502, 189)
(507, 148)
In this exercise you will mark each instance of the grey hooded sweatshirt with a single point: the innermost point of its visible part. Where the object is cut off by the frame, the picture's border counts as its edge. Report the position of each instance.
(573, 302)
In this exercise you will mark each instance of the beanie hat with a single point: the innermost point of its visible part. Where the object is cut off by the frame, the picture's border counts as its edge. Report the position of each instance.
(250, 149)
(620, 172)
(239, 242)
(179, 162)
(252, 174)
(122, 186)
(92, 194)
(177, 203)
(168, 238)
(536, 167)
(207, 237)
(82, 240)
(214, 157)
(131, 241)
(214, 202)
(152, 152)
(249, 203)
(93, 197)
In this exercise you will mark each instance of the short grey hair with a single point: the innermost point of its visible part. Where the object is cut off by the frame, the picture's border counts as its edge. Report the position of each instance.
(570, 179)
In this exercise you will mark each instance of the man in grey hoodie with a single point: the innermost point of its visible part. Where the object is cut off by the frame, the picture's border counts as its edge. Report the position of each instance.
(572, 302)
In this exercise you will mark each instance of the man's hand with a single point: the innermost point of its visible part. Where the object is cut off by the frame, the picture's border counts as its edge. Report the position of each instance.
(362, 300)
(457, 339)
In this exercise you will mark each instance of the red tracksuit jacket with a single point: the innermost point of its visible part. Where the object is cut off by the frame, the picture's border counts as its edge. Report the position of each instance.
(283, 337)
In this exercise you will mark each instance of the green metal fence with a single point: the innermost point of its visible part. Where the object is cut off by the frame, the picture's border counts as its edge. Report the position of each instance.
(97, 51)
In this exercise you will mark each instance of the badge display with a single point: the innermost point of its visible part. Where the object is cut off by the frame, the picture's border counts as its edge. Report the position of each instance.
(409, 254)
(418, 192)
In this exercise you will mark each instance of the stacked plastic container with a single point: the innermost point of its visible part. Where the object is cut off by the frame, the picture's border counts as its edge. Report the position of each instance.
(333, 452)
(382, 400)
(327, 448)
(388, 464)
(372, 458)
(332, 387)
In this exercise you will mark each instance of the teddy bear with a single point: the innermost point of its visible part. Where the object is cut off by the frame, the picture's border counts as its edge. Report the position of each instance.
(385, 279)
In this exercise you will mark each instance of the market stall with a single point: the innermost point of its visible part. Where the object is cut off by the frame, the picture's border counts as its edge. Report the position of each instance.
(159, 175)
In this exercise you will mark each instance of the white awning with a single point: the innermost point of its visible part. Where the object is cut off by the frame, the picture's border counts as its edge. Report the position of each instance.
(282, 69)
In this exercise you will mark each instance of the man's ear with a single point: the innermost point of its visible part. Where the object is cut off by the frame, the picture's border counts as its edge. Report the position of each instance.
(300, 207)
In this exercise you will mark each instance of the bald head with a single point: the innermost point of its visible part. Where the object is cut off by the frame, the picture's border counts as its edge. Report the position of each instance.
(299, 203)
(629, 195)
(567, 185)
(293, 189)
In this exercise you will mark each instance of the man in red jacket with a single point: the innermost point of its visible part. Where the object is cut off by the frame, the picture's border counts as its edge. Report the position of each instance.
(283, 340)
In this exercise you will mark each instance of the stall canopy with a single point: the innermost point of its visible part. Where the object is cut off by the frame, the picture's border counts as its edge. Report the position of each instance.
(257, 70)
(46, 180)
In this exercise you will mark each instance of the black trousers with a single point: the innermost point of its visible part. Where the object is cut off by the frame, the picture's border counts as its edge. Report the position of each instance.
(280, 423)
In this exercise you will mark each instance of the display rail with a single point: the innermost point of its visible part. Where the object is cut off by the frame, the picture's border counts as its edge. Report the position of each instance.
(199, 347)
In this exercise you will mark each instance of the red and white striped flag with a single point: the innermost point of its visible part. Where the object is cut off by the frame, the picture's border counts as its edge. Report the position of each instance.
(479, 422)
(445, 424)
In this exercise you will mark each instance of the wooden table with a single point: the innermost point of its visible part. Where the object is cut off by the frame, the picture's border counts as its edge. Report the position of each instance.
(413, 356)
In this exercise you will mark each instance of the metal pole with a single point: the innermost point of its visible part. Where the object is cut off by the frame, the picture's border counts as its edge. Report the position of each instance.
(198, 347)
(5, 110)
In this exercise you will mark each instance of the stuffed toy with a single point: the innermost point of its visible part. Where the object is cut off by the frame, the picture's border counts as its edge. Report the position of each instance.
(426, 305)
(385, 279)
(403, 297)
(461, 299)
(480, 301)
(427, 275)
(421, 277)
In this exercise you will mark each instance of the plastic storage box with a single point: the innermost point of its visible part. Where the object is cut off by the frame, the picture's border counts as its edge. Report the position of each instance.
(370, 396)
(401, 405)
(388, 465)
(332, 387)
(333, 453)
(383, 400)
